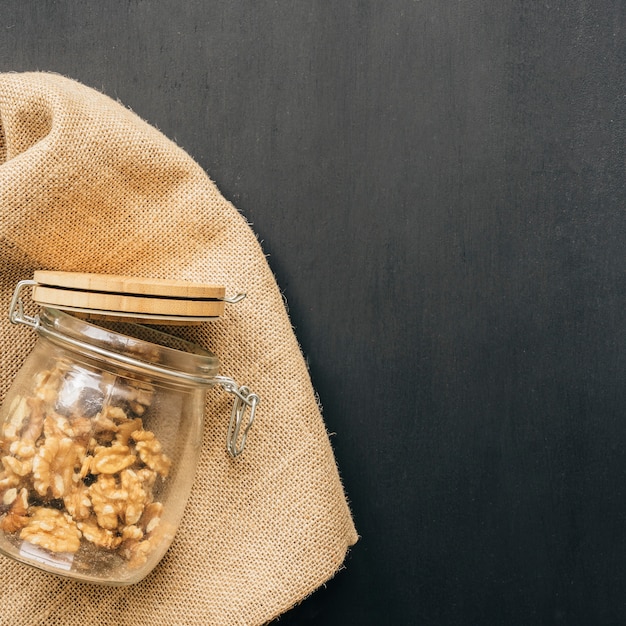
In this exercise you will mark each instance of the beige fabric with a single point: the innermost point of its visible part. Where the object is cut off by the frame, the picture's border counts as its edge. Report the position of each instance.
(85, 185)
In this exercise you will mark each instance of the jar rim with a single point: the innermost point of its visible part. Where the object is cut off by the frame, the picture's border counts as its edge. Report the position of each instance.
(133, 345)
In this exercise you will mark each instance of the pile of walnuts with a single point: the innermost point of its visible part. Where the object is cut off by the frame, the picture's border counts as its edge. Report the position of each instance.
(83, 473)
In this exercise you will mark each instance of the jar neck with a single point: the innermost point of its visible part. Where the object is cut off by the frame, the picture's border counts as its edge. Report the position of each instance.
(187, 364)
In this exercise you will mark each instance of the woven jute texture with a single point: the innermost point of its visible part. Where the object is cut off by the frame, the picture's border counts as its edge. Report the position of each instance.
(86, 185)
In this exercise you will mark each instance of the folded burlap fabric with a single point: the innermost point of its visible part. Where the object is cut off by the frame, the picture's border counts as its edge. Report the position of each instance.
(85, 185)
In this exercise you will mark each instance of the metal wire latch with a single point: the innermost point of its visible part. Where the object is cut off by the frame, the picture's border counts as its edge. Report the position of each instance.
(244, 403)
(16, 310)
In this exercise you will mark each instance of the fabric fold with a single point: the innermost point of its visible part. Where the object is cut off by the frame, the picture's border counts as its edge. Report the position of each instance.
(86, 185)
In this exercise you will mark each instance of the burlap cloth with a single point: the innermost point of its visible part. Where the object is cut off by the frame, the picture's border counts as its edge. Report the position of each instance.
(86, 185)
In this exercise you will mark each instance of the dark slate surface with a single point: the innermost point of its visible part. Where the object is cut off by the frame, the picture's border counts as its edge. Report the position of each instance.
(440, 187)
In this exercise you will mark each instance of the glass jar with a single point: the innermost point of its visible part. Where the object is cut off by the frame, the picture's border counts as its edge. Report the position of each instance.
(100, 436)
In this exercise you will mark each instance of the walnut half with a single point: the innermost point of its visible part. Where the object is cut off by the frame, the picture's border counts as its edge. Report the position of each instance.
(151, 452)
(52, 530)
(17, 517)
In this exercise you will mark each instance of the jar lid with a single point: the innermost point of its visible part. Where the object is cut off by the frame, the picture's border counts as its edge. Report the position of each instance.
(109, 296)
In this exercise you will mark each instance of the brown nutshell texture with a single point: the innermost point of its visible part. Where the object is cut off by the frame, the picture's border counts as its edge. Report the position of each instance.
(86, 185)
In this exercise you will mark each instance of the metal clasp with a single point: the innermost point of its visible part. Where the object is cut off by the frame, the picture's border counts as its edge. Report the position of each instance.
(238, 297)
(240, 424)
(16, 310)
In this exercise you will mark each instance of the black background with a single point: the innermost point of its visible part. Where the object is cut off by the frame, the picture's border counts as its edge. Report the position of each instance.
(439, 185)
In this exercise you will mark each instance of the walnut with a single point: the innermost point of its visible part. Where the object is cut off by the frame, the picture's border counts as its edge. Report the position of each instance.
(132, 533)
(111, 459)
(81, 429)
(42, 466)
(105, 424)
(9, 496)
(68, 457)
(108, 501)
(126, 428)
(52, 530)
(19, 463)
(102, 425)
(85, 467)
(77, 502)
(48, 383)
(150, 452)
(151, 517)
(100, 537)
(115, 413)
(17, 517)
(17, 467)
(55, 425)
(9, 480)
(137, 552)
(137, 496)
(53, 466)
(22, 448)
(148, 478)
(33, 429)
(137, 408)
(19, 412)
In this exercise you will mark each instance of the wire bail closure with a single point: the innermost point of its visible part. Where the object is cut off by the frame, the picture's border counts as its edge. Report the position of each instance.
(239, 425)
(244, 402)
(16, 309)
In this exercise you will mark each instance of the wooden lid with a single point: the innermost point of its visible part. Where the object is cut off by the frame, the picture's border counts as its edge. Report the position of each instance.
(150, 300)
